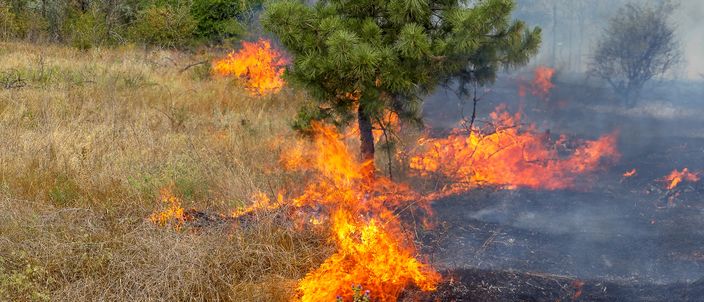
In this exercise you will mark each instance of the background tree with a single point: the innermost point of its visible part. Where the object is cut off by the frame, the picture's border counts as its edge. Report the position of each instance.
(165, 23)
(638, 44)
(368, 56)
(219, 20)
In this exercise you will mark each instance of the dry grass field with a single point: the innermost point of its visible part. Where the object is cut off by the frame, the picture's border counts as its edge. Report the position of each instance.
(89, 139)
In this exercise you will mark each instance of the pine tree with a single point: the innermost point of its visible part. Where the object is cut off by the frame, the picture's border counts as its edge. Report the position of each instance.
(368, 56)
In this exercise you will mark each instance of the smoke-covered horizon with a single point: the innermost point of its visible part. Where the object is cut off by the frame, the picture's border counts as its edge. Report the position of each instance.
(571, 30)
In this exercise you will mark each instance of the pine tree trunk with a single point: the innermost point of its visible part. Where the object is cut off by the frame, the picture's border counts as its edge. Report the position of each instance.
(365, 134)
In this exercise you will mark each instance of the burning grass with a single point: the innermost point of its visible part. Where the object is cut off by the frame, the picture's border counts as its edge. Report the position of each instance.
(373, 251)
(510, 154)
(97, 138)
(676, 177)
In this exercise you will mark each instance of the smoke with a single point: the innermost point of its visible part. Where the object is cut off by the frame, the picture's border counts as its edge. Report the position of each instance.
(690, 29)
(571, 30)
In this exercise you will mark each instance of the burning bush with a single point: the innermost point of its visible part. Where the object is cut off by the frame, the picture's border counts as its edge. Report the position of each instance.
(258, 64)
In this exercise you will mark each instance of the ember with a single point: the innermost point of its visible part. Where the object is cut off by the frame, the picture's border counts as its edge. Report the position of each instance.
(258, 64)
(630, 173)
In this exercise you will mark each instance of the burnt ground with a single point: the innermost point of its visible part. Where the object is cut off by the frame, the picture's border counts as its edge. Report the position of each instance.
(615, 239)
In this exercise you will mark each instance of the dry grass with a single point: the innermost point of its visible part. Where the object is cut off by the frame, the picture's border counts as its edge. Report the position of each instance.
(89, 138)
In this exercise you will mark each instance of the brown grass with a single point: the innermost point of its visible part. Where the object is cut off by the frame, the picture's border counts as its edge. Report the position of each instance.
(89, 138)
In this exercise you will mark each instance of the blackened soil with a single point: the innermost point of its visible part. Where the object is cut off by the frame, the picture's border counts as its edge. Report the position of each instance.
(611, 239)
(488, 286)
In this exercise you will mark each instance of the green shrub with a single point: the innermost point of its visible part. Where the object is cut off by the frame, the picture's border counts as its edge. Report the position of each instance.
(165, 26)
(32, 26)
(86, 30)
(219, 20)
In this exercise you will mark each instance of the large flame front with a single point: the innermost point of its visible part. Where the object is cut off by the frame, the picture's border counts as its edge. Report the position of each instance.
(258, 64)
(509, 156)
(372, 249)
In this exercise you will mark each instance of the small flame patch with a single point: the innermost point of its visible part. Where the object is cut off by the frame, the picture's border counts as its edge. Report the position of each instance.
(258, 64)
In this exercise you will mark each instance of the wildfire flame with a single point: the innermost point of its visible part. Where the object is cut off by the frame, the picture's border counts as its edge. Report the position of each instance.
(361, 210)
(542, 81)
(676, 177)
(389, 122)
(173, 214)
(260, 202)
(509, 156)
(260, 65)
(372, 249)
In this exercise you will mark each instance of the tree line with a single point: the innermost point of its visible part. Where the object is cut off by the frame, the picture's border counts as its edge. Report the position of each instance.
(164, 23)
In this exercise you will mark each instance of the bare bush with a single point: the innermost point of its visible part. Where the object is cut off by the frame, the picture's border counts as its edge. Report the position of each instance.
(638, 44)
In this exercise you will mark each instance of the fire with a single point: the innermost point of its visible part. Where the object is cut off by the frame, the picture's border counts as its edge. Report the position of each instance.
(260, 201)
(542, 81)
(630, 173)
(389, 122)
(370, 255)
(173, 214)
(372, 249)
(260, 65)
(676, 177)
(509, 156)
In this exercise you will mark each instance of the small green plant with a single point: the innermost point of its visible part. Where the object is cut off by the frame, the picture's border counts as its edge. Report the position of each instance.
(11, 79)
(65, 191)
(133, 79)
(23, 283)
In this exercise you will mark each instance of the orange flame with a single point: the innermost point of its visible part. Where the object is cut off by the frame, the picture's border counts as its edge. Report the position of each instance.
(676, 177)
(389, 121)
(630, 173)
(542, 81)
(258, 64)
(372, 249)
(173, 214)
(509, 156)
(260, 202)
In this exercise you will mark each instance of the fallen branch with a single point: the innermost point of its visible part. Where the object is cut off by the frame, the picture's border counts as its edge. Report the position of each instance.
(189, 66)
